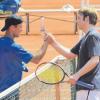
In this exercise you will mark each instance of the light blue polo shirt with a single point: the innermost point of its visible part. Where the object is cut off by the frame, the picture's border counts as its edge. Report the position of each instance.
(12, 62)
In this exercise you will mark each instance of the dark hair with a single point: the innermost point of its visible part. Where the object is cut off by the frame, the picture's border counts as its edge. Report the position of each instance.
(91, 12)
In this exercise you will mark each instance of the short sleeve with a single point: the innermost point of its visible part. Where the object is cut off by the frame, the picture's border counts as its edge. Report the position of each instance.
(76, 48)
(93, 45)
(22, 54)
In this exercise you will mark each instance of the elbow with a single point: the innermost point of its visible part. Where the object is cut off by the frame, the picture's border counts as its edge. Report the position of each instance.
(96, 60)
(70, 56)
(35, 61)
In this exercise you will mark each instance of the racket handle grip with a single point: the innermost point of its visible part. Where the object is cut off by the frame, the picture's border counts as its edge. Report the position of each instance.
(86, 85)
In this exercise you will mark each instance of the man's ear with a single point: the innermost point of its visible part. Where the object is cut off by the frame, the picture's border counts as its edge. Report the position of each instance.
(12, 27)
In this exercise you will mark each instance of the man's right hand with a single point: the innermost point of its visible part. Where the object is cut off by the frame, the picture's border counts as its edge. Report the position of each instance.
(49, 38)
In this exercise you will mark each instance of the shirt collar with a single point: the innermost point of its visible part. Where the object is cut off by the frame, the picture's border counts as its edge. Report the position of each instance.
(90, 29)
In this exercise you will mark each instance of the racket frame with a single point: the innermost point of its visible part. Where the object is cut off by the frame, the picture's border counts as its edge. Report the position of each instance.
(52, 64)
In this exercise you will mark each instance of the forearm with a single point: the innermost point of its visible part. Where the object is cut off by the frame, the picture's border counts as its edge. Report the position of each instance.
(91, 64)
(62, 50)
(42, 51)
(39, 54)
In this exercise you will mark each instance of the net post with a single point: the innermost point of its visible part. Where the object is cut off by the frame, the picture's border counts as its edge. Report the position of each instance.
(57, 91)
(75, 19)
(73, 70)
(27, 23)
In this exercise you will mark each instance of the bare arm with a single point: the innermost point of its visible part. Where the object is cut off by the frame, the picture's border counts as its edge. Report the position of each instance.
(39, 55)
(91, 64)
(60, 48)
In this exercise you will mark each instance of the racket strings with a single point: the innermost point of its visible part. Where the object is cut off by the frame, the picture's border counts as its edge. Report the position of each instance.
(53, 74)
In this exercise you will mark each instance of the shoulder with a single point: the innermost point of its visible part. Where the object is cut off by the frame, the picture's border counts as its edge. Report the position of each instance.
(94, 35)
(16, 46)
(5, 41)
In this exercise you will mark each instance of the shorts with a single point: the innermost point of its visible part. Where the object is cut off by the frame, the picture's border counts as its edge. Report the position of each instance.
(83, 94)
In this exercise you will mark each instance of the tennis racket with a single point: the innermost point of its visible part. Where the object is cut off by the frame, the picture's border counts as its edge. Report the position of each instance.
(52, 73)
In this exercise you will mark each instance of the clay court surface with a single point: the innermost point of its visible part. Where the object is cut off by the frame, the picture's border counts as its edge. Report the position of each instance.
(60, 24)
(64, 29)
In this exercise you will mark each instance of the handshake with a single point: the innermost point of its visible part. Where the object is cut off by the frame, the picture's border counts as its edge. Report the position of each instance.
(48, 37)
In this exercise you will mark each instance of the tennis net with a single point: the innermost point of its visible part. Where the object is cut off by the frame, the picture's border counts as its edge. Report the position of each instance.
(31, 89)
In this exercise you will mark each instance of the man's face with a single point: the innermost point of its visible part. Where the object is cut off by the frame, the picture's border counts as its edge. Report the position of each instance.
(80, 21)
(17, 30)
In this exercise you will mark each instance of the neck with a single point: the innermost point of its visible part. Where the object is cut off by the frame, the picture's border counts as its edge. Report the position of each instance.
(9, 34)
(86, 29)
